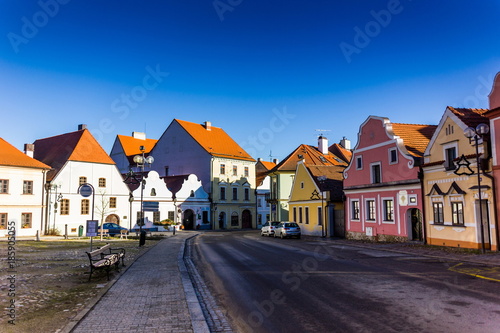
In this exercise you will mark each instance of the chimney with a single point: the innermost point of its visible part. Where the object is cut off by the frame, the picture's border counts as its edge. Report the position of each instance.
(345, 143)
(81, 127)
(323, 145)
(29, 149)
(208, 125)
(139, 135)
(259, 159)
(275, 161)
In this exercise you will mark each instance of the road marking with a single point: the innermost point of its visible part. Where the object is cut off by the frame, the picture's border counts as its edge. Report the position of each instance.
(472, 271)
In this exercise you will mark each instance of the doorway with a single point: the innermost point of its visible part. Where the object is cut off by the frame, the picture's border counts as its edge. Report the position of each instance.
(246, 219)
(188, 221)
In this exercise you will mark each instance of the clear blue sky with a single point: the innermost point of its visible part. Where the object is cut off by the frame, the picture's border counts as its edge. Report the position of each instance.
(270, 73)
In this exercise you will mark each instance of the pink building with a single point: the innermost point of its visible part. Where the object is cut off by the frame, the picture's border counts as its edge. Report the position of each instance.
(494, 116)
(382, 183)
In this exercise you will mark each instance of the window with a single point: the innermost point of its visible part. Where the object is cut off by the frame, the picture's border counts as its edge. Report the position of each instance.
(235, 170)
(450, 155)
(84, 210)
(222, 169)
(300, 214)
(388, 210)
(376, 176)
(235, 193)
(83, 180)
(204, 218)
(247, 194)
(457, 212)
(370, 210)
(27, 187)
(234, 219)
(26, 220)
(307, 215)
(320, 215)
(156, 216)
(4, 186)
(359, 162)
(3, 220)
(223, 193)
(139, 220)
(65, 207)
(301, 184)
(192, 194)
(295, 214)
(437, 208)
(393, 156)
(102, 182)
(171, 215)
(246, 171)
(355, 209)
(112, 202)
(259, 202)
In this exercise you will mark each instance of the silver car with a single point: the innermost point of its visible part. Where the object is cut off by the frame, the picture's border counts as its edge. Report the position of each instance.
(287, 229)
(268, 228)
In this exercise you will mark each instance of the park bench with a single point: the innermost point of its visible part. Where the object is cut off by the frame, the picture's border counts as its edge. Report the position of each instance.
(105, 232)
(104, 258)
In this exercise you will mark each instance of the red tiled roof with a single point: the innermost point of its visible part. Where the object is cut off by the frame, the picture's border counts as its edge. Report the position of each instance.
(131, 146)
(415, 137)
(334, 179)
(470, 117)
(311, 155)
(215, 141)
(341, 152)
(268, 165)
(261, 170)
(11, 156)
(75, 146)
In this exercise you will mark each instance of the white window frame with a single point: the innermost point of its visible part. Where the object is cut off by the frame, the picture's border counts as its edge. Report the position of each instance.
(351, 207)
(372, 174)
(384, 212)
(367, 210)
(359, 160)
(390, 155)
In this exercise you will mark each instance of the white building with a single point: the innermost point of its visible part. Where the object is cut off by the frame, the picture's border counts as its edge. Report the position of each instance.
(22, 181)
(77, 158)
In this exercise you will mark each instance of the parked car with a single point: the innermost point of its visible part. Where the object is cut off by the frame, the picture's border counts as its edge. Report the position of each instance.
(268, 228)
(287, 229)
(113, 228)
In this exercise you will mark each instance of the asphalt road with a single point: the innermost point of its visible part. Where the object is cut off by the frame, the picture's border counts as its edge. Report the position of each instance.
(273, 285)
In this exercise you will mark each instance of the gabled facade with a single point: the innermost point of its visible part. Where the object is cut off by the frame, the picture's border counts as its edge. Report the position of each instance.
(316, 199)
(126, 147)
(226, 171)
(282, 175)
(451, 184)
(77, 158)
(22, 180)
(192, 202)
(494, 116)
(382, 183)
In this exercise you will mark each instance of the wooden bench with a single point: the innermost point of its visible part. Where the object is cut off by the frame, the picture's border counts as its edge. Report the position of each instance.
(105, 232)
(104, 258)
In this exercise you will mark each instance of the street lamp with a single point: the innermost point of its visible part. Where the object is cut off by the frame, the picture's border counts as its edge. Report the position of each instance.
(141, 161)
(324, 230)
(477, 134)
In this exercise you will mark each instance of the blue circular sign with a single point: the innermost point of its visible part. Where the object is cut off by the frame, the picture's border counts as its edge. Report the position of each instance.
(85, 190)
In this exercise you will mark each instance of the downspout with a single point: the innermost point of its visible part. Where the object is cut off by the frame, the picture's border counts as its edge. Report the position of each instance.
(495, 217)
(43, 200)
(212, 193)
(424, 222)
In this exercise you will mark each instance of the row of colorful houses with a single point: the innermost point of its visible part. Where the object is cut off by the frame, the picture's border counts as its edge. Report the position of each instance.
(432, 183)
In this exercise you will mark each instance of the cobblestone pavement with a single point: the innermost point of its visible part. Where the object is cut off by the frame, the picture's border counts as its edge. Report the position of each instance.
(151, 296)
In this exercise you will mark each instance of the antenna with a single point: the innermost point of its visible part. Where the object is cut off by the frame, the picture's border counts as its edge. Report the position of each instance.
(270, 156)
(321, 131)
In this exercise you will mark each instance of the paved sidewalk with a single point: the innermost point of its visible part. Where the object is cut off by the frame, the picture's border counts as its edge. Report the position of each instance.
(153, 295)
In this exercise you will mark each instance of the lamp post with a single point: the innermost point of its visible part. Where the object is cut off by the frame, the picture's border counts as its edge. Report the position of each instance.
(324, 230)
(57, 198)
(141, 161)
(476, 134)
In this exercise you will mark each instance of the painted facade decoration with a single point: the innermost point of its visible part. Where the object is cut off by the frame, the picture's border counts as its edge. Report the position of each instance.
(451, 184)
(316, 199)
(22, 198)
(382, 184)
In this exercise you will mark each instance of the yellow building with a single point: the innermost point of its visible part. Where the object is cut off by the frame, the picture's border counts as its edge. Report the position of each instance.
(316, 196)
(451, 185)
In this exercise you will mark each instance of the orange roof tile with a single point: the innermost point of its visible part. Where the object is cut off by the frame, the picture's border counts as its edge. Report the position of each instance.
(341, 152)
(268, 165)
(415, 137)
(311, 155)
(470, 117)
(75, 146)
(215, 141)
(11, 156)
(131, 146)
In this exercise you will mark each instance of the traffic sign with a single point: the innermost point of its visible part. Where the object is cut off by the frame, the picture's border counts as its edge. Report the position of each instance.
(85, 190)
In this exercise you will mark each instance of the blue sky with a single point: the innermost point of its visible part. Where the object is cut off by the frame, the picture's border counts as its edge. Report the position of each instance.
(270, 73)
